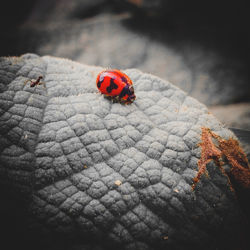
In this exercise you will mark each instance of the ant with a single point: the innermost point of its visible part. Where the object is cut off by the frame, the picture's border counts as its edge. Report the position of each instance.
(34, 82)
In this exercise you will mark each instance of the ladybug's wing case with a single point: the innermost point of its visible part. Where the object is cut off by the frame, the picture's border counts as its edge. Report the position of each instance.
(110, 83)
(116, 84)
(124, 78)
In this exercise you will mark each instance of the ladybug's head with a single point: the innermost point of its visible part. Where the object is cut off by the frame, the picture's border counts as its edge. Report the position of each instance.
(131, 93)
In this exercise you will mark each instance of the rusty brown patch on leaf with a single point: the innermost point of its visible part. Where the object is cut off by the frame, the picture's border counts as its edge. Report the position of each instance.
(214, 148)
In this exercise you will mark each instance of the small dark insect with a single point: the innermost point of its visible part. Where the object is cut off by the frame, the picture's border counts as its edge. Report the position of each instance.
(34, 82)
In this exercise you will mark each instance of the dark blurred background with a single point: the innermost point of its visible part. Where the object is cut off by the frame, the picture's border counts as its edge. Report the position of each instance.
(200, 46)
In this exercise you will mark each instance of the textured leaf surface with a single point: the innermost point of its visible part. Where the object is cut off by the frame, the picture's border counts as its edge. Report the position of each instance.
(112, 175)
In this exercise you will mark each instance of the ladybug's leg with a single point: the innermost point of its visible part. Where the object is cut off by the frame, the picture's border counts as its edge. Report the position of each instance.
(115, 99)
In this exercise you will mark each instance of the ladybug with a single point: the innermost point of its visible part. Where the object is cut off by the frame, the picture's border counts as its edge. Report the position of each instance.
(116, 84)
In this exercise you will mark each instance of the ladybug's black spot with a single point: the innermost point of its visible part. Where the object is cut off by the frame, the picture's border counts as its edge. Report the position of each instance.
(124, 79)
(101, 79)
(124, 91)
(99, 84)
(111, 86)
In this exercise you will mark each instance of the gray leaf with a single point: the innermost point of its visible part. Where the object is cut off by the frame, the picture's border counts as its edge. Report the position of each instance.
(111, 175)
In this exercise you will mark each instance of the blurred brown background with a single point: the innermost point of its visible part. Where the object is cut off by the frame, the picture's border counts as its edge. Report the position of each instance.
(200, 46)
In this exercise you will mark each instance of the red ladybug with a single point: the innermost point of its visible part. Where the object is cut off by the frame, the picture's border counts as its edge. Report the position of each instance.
(116, 84)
